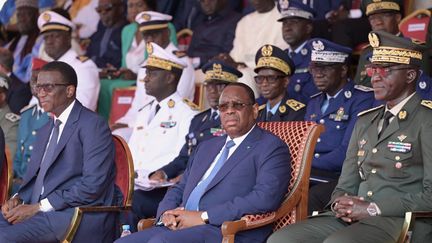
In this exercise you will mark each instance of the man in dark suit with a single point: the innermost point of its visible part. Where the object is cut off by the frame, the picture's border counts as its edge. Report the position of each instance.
(387, 170)
(274, 68)
(245, 172)
(204, 126)
(72, 165)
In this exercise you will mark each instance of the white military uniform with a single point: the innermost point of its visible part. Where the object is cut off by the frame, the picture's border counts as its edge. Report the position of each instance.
(157, 139)
(185, 88)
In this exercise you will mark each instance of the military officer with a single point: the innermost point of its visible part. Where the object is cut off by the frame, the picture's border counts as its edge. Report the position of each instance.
(154, 28)
(204, 125)
(32, 118)
(8, 120)
(56, 30)
(297, 28)
(163, 122)
(387, 170)
(274, 68)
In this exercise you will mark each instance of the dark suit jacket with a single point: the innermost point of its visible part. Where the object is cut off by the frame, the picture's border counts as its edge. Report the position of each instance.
(19, 94)
(290, 113)
(253, 180)
(81, 173)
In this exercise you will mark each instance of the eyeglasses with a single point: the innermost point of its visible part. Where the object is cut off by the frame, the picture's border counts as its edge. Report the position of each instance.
(214, 85)
(271, 79)
(314, 68)
(106, 7)
(238, 106)
(382, 71)
(47, 88)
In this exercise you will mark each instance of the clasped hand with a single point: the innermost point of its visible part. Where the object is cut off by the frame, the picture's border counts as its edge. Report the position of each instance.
(350, 208)
(15, 212)
(180, 218)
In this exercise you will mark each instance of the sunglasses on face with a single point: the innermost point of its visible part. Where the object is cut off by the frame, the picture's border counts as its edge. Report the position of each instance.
(105, 8)
(314, 68)
(382, 71)
(238, 106)
(47, 88)
(271, 79)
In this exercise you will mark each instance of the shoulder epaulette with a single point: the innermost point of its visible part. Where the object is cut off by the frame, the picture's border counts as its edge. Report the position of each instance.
(12, 117)
(427, 103)
(261, 107)
(315, 95)
(369, 110)
(190, 103)
(363, 88)
(179, 54)
(301, 70)
(27, 107)
(295, 105)
(82, 58)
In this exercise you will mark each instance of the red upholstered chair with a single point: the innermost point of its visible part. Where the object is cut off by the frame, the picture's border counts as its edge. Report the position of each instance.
(416, 24)
(301, 138)
(121, 101)
(199, 96)
(6, 176)
(184, 38)
(124, 180)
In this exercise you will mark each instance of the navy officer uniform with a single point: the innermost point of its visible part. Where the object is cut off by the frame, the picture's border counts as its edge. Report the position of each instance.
(338, 118)
(301, 86)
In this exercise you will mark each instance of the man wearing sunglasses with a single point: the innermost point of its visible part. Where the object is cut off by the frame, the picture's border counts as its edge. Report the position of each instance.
(245, 172)
(274, 68)
(336, 107)
(204, 126)
(387, 170)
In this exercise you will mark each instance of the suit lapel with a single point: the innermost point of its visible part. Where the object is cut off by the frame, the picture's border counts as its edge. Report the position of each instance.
(372, 131)
(242, 151)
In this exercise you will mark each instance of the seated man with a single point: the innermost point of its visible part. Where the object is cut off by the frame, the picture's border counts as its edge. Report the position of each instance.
(72, 165)
(245, 172)
(204, 126)
(336, 107)
(387, 170)
(274, 68)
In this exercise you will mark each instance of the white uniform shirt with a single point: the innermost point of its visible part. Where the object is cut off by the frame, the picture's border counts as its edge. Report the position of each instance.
(186, 89)
(157, 142)
(87, 18)
(255, 30)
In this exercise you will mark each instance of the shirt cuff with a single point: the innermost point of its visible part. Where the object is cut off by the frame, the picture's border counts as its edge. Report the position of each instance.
(45, 205)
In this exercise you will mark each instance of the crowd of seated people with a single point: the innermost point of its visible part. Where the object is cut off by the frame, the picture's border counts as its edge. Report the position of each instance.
(344, 64)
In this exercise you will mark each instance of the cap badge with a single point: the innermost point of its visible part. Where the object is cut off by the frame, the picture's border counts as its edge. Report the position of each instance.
(267, 50)
(373, 40)
(318, 45)
(402, 115)
(149, 48)
(284, 4)
(217, 68)
(146, 17)
(46, 17)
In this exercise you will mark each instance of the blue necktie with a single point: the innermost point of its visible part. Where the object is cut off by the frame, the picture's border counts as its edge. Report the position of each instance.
(52, 144)
(326, 104)
(193, 201)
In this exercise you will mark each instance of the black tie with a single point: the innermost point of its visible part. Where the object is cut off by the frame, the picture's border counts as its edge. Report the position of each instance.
(386, 121)
(45, 163)
(269, 115)
(157, 108)
(214, 115)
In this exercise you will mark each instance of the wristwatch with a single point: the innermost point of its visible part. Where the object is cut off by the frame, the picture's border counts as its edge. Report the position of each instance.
(372, 209)
(204, 217)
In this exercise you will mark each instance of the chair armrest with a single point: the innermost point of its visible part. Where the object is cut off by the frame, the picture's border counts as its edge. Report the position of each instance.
(145, 223)
(408, 224)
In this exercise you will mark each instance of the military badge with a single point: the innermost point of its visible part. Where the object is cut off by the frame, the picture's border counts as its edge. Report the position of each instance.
(340, 115)
(149, 48)
(402, 115)
(46, 17)
(362, 143)
(399, 147)
(171, 103)
(427, 103)
(313, 116)
(267, 50)
(318, 45)
(401, 137)
(217, 131)
(284, 4)
(297, 88)
(304, 51)
(168, 124)
(282, 109)
(422, 85)
(146, 17)
(347, 94)
(360, 153)
(373, 40)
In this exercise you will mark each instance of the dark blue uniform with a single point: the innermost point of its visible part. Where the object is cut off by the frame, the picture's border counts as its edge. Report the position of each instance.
(288, 110)
(301, 86)
(339, 120)
(30, 122)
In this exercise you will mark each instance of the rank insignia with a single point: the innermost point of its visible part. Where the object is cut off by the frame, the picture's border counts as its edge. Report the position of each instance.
(204, 118)
(217, 131)
(399, 147)
(340, 115)
(362, 143)
(282, 109)
(304, 51)
(313, 116)
(168, 124)
(348, 94)
(401, 137)
(402, 115)
(422, 85)
(171, 103)
(361, 153)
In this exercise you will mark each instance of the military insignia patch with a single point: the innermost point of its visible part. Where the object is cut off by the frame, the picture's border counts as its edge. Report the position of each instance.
(362, 143)
(318, 45)
(422, 85)
(402, 114)
(192, 105)
(427, 103)
(82, 58)
(401, 137)
(373, 40)
(297, 88)
(267, 50)
(146, 17)
(282, 109)
(304, 51)
(347, 94)
(149, 48)
(12, 117)
(168, 124)
(46, 17)
(294, 104)
(171, 103)
(399, 147)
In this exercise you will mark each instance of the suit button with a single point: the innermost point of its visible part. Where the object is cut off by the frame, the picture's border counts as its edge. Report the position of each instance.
(398, 165)
(369, 193)
(201, 134)
(30, 147)
(322, 121)
(317, 155)
(358, 162)
(373, 171)
(34, 133)
(337, 127)
(318, 140)
(374, 150)
(28, 159)
(397, 157)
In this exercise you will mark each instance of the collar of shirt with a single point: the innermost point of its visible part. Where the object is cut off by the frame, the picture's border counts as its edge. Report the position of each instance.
(395, 110)
(334, 96)
(298, 49)
(64, 117)
(213, 110)
(274, 109)
(164, 102)
(237, 141)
